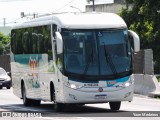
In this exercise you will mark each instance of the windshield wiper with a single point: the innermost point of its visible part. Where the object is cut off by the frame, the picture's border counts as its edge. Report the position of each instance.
(88, 63)
(109, 61)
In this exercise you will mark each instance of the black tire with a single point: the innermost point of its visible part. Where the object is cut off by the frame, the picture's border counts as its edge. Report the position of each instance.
(26, 101)
(115, 105)
(59, 107)
(1, 87)
(36, 102)
(52, 92)
(81, 104)
(8, 87)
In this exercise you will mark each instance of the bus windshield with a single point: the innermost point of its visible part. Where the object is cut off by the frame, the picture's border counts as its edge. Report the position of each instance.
(98, 54)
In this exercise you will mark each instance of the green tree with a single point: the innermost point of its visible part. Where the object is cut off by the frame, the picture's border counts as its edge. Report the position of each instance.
(4, 44)
(144, 19)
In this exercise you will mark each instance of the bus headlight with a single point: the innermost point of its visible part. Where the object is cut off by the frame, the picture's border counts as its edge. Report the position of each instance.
(127, 84)
(73, 86)
(130, 82)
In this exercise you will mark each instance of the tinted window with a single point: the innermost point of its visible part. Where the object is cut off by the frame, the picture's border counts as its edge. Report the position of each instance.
(34, 40)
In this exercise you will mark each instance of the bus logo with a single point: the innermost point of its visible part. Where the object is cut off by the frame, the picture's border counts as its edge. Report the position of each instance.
(100, 89)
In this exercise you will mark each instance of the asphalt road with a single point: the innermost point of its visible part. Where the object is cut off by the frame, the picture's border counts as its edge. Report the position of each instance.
(141, 107)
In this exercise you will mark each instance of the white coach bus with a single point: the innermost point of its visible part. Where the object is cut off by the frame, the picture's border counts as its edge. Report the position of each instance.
(73, 58)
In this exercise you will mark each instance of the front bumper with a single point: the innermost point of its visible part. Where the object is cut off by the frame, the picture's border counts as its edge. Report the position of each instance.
(4, 83)
(77, 96)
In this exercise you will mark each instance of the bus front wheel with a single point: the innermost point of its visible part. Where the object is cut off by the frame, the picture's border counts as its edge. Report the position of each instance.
(59, 107)
(115, 105)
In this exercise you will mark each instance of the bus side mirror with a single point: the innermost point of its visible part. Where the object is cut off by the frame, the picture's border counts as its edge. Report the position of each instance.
(59, 43)
(136, 40)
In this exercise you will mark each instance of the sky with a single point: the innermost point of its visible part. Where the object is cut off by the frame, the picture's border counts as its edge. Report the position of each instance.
(11, 9)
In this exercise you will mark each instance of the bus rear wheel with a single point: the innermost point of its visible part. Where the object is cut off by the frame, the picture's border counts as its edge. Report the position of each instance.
(115, 105)
(26, 101)
(29, 102)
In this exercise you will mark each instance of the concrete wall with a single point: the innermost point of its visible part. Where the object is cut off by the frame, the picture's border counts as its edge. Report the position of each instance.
(146, 84)
(143, 62)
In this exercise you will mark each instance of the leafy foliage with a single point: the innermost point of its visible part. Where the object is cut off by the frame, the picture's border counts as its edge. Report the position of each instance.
(4, 44)
(144, 19)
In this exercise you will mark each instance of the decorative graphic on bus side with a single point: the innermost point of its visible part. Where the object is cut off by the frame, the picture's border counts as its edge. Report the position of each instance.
(33, 65)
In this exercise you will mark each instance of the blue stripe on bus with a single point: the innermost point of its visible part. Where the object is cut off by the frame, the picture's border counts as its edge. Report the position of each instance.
(111, 83)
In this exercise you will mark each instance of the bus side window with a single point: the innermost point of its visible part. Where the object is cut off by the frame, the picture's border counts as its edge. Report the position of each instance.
(13, 38)
(54, 29)
(44, 39)
(30, 51)
(34, 45)
(40, 43)
(19, 47)
(25, 42)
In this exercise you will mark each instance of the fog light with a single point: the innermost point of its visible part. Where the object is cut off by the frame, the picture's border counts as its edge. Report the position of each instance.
(127, 94)
(73, 96)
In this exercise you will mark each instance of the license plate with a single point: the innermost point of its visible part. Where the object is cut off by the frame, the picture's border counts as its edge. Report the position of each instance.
(100, 96)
